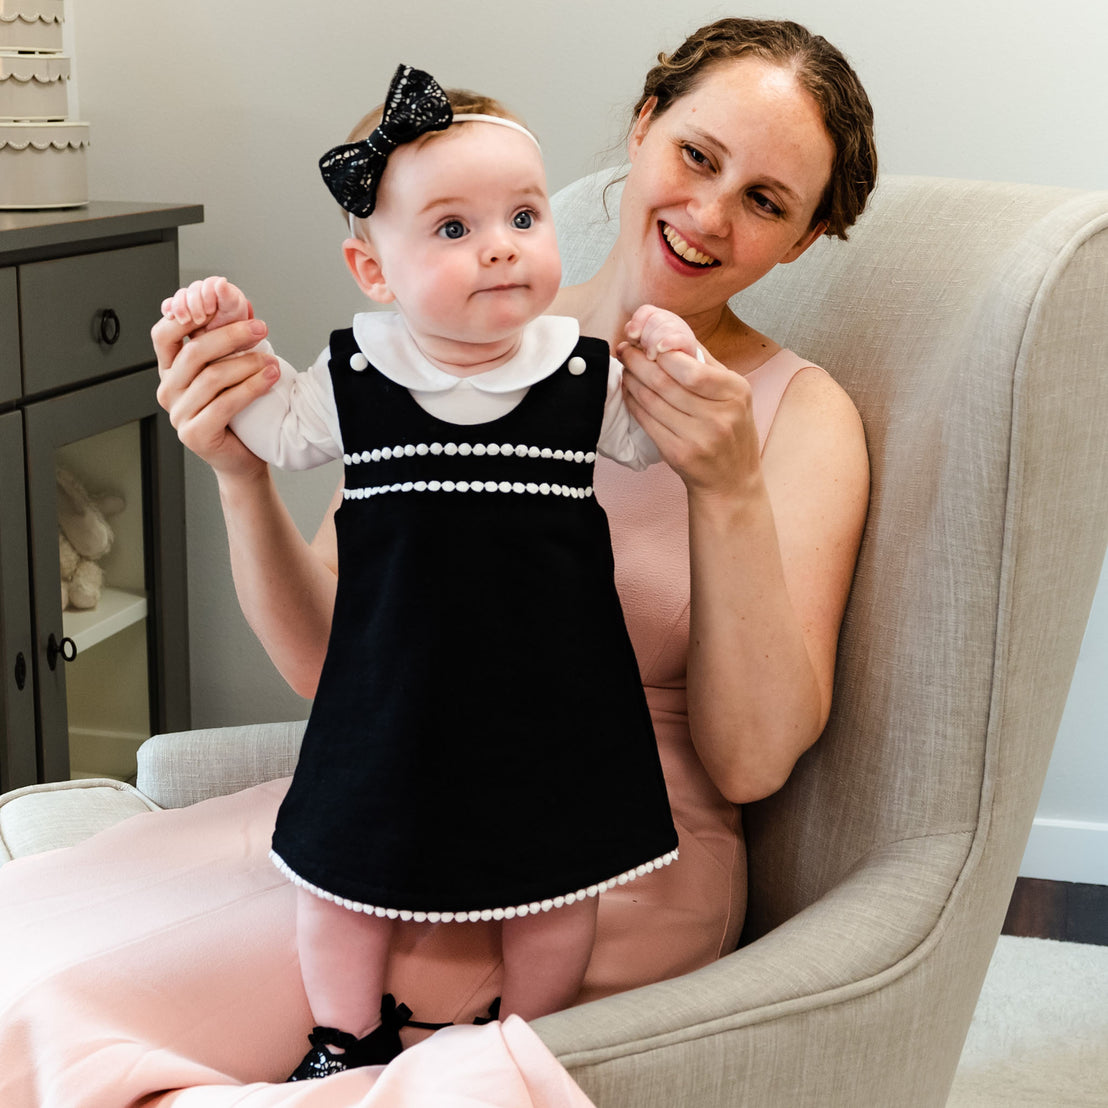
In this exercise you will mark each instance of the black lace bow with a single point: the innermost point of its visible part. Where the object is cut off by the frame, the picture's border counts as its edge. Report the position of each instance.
(415, 105)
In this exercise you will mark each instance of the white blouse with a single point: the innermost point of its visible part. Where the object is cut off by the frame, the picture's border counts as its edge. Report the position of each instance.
(295, 424)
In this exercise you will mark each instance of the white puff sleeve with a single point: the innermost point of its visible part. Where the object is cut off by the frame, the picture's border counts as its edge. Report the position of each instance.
(621, 437)
(295, 424)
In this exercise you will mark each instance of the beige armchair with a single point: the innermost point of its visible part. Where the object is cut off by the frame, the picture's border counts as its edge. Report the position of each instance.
(969, 321)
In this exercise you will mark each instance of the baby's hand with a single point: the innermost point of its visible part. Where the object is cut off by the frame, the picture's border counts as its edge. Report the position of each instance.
(208, 304)
(656, 331)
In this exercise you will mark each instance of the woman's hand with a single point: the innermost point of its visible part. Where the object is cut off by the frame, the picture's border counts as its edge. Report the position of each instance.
(699, 413)
(207, 378)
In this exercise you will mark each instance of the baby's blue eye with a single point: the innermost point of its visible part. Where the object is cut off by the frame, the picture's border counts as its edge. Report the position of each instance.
(452, 229)
(522, 221)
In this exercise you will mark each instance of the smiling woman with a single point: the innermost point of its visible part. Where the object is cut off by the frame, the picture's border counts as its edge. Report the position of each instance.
(755, 138)
(732, 562)
(802, 59)
(733, 193)
(749, 141)
(734, 559)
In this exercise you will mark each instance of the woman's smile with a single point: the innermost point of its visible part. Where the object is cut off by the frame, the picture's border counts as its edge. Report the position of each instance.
(683, 249)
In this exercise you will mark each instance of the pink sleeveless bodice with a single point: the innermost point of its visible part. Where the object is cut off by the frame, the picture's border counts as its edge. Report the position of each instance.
(691, 913)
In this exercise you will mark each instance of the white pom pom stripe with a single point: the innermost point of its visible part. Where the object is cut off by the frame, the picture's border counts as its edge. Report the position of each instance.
(474, 915)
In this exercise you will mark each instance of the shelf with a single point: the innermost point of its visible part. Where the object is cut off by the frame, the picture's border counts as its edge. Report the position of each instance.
(117, 609)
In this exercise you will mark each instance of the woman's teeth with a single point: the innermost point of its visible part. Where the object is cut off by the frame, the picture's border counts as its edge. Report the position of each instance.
(681, 248)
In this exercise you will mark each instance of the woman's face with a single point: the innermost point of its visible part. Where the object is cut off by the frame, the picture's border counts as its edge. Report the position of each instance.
(723, 185)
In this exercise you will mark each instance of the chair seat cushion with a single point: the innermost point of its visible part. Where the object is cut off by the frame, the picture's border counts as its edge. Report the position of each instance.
(44, 817)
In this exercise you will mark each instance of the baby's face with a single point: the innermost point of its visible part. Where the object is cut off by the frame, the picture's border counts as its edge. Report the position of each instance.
(465, 237)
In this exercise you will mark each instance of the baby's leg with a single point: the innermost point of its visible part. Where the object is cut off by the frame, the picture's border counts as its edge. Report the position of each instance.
(545, 958)
(343, 956)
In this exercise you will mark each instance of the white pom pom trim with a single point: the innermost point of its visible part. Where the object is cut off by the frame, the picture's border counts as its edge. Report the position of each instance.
(478, 914)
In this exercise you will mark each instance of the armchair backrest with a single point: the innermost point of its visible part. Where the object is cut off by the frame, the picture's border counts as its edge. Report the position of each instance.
(969, 323)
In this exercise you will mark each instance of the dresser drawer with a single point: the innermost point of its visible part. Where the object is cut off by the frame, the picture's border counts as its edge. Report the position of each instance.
(89, 316)
(10, 385)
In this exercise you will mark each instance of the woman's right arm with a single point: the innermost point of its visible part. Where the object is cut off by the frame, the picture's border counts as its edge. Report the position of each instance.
(285, 585)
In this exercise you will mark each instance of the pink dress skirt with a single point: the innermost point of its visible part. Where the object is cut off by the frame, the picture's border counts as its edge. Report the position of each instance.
(161, 954)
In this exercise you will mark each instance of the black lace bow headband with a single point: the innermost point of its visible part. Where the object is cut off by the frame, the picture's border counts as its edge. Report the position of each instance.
(414, 106)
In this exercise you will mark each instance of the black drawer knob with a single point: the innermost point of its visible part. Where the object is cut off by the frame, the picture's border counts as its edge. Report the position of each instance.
(66, 650)
(20, 671)
(109, 327)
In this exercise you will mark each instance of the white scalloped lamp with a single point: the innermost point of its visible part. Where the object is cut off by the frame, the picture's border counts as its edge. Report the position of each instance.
(42, 152)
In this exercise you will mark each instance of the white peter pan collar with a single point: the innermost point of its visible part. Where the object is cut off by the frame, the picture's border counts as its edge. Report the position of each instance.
(386, 341)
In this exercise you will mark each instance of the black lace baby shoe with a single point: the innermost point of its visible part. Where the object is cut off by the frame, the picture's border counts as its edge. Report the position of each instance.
(378, 1048)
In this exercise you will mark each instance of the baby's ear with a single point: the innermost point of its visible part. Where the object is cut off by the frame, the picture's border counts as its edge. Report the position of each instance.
(365, 266)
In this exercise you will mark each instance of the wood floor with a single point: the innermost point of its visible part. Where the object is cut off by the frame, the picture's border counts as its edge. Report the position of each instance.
(1058, 910)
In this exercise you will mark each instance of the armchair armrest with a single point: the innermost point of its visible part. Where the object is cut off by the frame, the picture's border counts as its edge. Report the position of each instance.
(864, 944)
(184, 767)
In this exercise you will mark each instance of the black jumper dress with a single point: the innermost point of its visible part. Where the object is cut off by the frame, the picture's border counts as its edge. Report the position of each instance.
(480, 744)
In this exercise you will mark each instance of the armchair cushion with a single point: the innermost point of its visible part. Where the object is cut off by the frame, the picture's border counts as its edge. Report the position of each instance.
(45, 817)
(174, 770)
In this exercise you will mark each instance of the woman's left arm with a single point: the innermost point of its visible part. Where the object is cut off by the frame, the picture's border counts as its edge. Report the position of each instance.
(773, 541)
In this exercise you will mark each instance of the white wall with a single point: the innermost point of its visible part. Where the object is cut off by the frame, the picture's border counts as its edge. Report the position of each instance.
(230, 104)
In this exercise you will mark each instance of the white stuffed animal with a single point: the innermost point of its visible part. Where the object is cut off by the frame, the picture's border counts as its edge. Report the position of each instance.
(84, 537)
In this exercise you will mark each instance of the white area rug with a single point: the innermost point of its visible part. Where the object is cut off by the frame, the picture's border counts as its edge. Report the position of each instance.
(1040, 1032)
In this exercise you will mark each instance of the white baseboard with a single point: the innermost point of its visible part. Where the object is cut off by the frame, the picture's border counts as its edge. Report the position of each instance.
(95, 752)
(1067, 850)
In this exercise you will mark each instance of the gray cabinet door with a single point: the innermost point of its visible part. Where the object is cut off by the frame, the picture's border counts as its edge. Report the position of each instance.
(11, 382)
(17, 705)
(57, 423)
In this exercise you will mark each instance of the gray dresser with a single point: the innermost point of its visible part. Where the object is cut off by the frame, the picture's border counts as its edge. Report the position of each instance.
(79, 292)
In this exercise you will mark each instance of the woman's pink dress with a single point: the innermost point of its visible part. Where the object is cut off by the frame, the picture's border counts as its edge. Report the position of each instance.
(161, 954)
